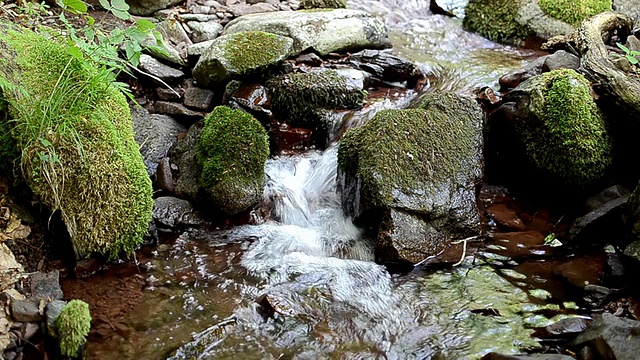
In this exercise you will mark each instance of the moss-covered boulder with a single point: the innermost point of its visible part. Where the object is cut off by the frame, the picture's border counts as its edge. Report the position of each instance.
(8, 150)
(239, 55)
(411, 175)
(321, 30)
(561, 128)
(77, 151)
(73, 325)
(300, 98)
(322, 4)
(221, 161)
(513, 21)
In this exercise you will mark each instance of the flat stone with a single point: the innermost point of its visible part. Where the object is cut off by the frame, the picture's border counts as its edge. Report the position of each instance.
(198, 17)
(25, 311)
(198, 49)
(600, 220)
(167, 94)
(561, 60)
(170, 212)
(324, 31)
(197, 98)
(513, 79)
(177, 110)
(154, 67)
(46, 285)
(30, 330)
(204, 31)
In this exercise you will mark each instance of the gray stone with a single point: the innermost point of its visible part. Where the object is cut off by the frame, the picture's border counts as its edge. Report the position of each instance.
(204, 31)
(178, 111)
(251, 2)
(224, 60)
(25, 311)
(415, 203)
(46, 285)
(148, 7)
(164, 176)
(600, 220)
(52, 311)
(530, 16)
(167, 94)
(197, 98)
(30, 330)
(324, 31)
(513, 79)
(496, 356)
(155, 134)
(609, 194)
(175, 42)
(633, 250)
(170, 212)
(198, 49)
(198, 17)
(386, 66)
(629, 7)
(154, 67)
(561, 60)
(183, 155)
(610, 337)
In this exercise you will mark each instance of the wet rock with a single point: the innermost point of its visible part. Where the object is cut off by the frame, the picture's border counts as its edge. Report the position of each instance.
(159, 70)
(290, 138)
(182, 155)
(164, 175)
(610, 337)
(174, 42)
(310, 59)
(46, 285)
(52, 311)
(633, 250)
(568, 326)
(204, 31)
(496, 356)
(505, 217)
(324, 31)
(155, 134)
(600, 221)
(168, 94)
(25, 311)
(148, 7)
(561, 60)
(197, 49)
(179, 111)
(197, 98)
(251, 98)
(233, 56)
(300, 97)
(29, 330)
(596, 295)
(609, 194)
(417, 204)
(386, 66)
(513, 79)
(172, 213)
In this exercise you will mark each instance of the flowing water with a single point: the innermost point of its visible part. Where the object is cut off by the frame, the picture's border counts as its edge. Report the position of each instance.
(303, 284)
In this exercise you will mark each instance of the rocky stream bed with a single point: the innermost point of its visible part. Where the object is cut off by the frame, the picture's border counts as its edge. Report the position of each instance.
(295, 276)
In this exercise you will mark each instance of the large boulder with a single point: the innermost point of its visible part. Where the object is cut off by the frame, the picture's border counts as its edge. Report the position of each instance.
(221, 161)
(76, 141)
(610, 337)
(561, 128)
(513, 21)
(148, 7)
(321, 30)
(412, 175)
(239, 55)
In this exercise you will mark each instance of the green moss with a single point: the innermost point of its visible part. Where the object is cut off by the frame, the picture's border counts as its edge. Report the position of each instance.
(569, 138)
(73, 325)
(404, 149)
(8, 150)
(495, 19)
(574, 12)
(75, 135)
(322, 4)
(251, 50)
(297, 97)
(231, 152)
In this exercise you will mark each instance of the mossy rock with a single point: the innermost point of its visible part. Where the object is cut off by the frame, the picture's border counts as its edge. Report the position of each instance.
(322, 4)
(8, 150)
(231, 152)
(77, 151)
(562, 129)
(574, 12)
(73, 325)
(414, 166)
(299, 98)
(240, 55)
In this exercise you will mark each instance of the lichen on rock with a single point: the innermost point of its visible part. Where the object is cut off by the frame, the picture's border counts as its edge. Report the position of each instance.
(297, 97)
(322, 4)
(241, 54)
(77, 151)
(562, 129)
(73, 325)
(231, 152)
(574, 12)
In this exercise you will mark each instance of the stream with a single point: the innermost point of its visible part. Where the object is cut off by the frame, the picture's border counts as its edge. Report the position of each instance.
(302, 284)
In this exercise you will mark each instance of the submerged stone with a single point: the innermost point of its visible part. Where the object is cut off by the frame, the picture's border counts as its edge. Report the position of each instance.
(321, 30)
(412, 175)
(240, 55)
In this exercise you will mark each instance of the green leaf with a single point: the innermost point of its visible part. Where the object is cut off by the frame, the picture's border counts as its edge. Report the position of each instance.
(89, 33)
(90, 20)
(76, 6)
(44, 141)
(120, 5)
(75, 52)
(123, 15)
(145, 25)
(135, 59)
(105, 4)
(634, 53)
(624, 48)
(632, 60)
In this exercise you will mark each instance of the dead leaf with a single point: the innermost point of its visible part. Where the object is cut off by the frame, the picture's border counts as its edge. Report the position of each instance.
(10, 269)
